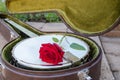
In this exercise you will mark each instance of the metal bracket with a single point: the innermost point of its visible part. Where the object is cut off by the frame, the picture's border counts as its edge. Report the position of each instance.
(83, 75)
(12, 35)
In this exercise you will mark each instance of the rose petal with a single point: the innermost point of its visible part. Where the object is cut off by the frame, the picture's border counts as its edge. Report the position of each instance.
(51, 53)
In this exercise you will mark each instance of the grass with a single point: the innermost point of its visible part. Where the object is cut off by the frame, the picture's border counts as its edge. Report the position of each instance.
(2, 7)
(38, 17)
(46, 17)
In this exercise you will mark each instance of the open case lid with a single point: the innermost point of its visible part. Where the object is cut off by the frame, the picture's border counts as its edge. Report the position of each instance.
(86, 17)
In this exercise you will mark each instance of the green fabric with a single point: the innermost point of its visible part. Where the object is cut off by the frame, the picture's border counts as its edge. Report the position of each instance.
(86, 16)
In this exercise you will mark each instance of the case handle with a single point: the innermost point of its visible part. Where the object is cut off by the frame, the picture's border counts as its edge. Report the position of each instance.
(83, 75)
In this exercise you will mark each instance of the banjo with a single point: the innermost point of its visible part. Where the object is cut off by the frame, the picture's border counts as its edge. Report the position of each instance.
(26, 52)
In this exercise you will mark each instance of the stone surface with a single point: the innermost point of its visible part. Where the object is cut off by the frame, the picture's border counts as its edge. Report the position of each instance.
(114, 33)
(117, 28)
(112, 50)
(50, 27)
(111, 45)
(114, 61)
(56, 27)
(117, 75)
(106, 73)
(37, 25)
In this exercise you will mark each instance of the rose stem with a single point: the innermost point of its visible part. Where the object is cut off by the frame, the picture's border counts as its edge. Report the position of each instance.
(62, 39)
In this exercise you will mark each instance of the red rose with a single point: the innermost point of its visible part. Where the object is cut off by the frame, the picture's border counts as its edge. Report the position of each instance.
(51, 53)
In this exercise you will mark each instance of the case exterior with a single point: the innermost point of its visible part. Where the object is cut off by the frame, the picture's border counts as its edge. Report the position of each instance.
(103, 16)
(10, 72)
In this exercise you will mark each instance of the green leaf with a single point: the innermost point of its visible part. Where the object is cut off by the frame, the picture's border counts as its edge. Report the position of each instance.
(77, 46)
(55, 39)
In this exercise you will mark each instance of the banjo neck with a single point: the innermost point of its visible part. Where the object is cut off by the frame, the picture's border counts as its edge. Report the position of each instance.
(24, 30)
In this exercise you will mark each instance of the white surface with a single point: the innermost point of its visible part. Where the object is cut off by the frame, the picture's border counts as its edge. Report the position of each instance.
(27, 51)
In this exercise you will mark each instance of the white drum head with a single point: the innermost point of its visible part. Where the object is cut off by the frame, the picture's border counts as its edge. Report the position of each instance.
(26, 52)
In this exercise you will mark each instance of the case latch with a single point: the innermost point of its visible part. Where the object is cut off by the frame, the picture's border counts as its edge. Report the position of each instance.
(83, 75)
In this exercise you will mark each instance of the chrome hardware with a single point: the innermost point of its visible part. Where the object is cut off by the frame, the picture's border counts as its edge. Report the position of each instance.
(83, 75)
(12, 35)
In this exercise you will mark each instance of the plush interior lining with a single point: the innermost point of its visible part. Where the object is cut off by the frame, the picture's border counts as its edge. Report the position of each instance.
(81, 15)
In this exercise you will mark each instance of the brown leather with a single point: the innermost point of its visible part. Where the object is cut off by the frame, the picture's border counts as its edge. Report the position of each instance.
(4, 31)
